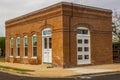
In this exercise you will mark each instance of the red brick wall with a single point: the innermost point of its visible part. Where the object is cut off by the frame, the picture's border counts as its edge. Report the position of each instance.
(63, 19)
(100, 26)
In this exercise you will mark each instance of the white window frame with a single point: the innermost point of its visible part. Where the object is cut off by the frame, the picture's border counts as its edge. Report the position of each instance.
(11, 47)
(25, 46)
(17, 48)
(33, 46)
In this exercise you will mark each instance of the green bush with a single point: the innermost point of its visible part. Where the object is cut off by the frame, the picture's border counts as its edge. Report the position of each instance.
(2, 44)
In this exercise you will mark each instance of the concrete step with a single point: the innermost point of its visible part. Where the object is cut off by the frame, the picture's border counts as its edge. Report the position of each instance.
(46, 65)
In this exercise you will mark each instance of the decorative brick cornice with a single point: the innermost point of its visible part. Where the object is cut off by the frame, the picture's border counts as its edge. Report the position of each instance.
(63, 8)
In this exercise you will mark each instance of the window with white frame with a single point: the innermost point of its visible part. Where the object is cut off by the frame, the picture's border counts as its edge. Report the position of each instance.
(34, 46)
(11, 46)
(18, 46)
(26, 46)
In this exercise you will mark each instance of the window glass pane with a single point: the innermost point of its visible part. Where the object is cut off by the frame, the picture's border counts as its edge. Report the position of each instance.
(79, 31)
(26, 41)
(80, 57)
(50, 43)
(11, 42)
(18, 51)
(86, 56)
(34, 40)
(47, 32)
(80, 41)
(34, 51)
(18, 42)
(45, 43)
(86, 41)
(85, 31)
(79, 48)
(26, 51)
(86, 49)
(82, 31)
(11, 54)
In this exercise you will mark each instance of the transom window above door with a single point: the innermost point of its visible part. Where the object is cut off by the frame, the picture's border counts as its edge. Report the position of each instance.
(82, 31)
(46, 32)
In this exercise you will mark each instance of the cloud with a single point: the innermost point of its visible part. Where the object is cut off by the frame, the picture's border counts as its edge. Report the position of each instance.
(13, 8)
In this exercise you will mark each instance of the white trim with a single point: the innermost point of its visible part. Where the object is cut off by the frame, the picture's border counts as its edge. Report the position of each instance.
(17, 56)
(17, 48)
(34, 57)
(82, 28)
(33, 46)
(25, 57)
(10, 56)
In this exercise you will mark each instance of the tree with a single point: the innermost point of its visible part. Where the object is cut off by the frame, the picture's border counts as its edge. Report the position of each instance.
(116, 26)
(2, 45)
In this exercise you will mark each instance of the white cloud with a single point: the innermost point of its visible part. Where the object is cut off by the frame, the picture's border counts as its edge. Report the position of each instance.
(14, 8)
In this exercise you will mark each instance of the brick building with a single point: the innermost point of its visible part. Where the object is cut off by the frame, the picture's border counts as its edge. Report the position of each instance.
(64, 34)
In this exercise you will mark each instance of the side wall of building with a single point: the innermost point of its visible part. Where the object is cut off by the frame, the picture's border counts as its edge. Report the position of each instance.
(100, 25)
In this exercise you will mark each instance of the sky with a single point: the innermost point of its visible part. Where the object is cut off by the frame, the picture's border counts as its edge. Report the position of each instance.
(10, 9)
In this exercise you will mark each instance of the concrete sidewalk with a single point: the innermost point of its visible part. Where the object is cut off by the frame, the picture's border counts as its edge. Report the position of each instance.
(43, 71)
(97, 69)
(90, 71)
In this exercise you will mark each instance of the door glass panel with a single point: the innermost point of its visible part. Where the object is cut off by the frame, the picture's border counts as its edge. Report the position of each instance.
(79, 48)
(86, 41)
(86, 56)
(86, 49)
(50, 43)
(45, 43)
(80, 57)
(80, 41)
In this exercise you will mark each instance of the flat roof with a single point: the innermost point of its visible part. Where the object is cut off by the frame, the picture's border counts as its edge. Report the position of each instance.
(52, 6)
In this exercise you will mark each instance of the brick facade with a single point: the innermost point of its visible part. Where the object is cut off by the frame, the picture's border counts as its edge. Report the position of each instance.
(63, 19)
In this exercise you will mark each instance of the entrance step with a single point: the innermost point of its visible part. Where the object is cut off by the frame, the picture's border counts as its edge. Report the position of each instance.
(45, 65)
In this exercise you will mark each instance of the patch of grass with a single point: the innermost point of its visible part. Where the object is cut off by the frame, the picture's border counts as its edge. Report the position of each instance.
(16, 69)
(2, 56)
(2, 60)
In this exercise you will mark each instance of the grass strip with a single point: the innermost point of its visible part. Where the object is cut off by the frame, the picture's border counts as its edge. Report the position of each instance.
(16, 69)
(2, 60)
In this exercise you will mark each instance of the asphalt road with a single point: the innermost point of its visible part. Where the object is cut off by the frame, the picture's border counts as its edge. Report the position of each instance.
(6, 76)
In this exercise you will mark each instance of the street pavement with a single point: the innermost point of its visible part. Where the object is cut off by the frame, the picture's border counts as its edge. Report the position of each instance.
(115, 76)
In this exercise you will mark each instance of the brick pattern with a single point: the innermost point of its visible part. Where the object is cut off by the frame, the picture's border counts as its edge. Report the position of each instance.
(63, 19)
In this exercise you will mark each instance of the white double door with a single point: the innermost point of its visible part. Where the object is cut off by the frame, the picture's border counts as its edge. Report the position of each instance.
(83, 50)
(47, 49)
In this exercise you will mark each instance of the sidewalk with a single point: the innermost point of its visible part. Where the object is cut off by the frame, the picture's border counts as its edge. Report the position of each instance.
(43, 71)
(97, 69)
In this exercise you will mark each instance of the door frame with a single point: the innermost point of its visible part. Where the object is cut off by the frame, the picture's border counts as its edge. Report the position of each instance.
(82, 35)
(46, 35)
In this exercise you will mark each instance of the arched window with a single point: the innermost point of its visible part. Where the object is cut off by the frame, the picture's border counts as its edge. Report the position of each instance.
(18, 46)
(34, 46)
(11, 46)
(46, 32)
(25, 46)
